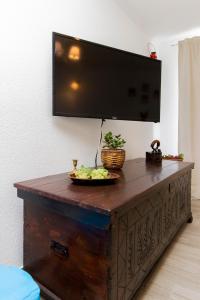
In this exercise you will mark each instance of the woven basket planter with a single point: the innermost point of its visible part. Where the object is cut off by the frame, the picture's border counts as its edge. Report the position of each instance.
(113, 158)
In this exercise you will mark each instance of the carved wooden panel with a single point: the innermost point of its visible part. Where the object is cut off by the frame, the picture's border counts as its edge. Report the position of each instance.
(143, 231)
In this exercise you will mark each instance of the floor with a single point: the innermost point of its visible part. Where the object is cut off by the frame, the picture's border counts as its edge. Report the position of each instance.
(177, 275)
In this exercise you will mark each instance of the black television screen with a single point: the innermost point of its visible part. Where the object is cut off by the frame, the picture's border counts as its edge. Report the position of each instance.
(95, 81)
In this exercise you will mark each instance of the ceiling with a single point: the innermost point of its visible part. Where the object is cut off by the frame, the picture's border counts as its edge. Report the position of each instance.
(160, 18)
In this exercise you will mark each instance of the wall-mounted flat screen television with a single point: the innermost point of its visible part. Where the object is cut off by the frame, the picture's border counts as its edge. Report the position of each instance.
(95, 81)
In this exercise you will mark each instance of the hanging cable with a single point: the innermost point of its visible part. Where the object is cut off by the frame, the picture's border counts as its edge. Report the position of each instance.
(100, 140)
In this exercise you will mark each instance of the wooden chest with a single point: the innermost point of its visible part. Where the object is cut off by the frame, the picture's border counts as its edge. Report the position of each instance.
(99, 243)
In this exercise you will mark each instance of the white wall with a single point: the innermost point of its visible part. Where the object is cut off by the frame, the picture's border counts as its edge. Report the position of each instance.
(169, 97)
(33, 143)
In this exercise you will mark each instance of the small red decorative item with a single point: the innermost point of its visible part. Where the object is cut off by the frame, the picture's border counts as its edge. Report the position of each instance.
(153, 55)
(178, 157)
(152, 50)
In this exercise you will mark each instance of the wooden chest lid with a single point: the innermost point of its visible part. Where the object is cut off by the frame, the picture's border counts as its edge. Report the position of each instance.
(137, 178)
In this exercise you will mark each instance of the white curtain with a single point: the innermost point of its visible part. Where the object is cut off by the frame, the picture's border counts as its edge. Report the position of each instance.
(189, 106)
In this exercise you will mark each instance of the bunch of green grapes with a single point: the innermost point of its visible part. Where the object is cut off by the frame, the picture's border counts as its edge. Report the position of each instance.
(89, 173)
(100, 173)
(83, 173)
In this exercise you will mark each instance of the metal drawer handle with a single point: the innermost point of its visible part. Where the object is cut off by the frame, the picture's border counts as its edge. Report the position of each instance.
(59, 249)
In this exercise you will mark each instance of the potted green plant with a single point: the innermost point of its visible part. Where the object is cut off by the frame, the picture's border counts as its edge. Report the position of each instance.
(112, 154)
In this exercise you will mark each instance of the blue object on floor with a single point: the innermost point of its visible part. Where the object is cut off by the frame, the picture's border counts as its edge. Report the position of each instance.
(16, 284)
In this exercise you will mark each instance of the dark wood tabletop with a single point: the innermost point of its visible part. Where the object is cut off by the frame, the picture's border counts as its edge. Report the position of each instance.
(136, 178)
